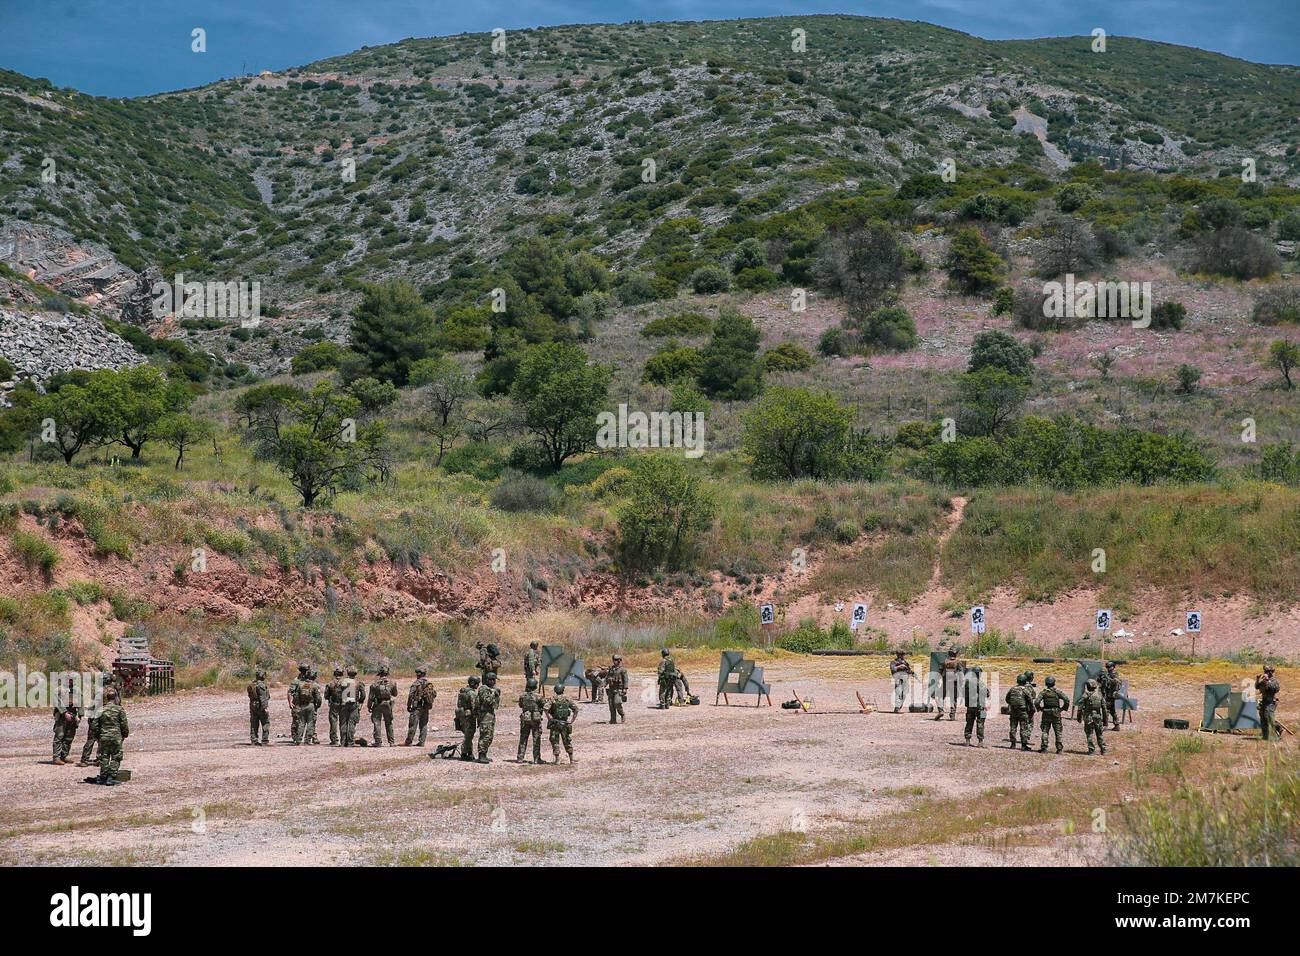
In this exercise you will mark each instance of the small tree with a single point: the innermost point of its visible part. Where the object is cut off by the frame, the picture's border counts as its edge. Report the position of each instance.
(729, 362)
(796, 433)
(1187, 377)
(181, 431)
(990, 399)
(995, 349)
(1068, 245)
(315, 440)
(669, 505)
(69, 419)
(863, 263)
(133, 401)
(1102, 363)
(559, 395)
(1286, 356)
(447, 387)
(972, 264)
(392, 330)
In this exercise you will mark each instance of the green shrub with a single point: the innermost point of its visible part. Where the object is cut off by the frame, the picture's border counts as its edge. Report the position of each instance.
(891, 328)
(1278, 306)
(787, 357)
(1168, 315)
(518, 492)
(36, 552)
(682, 323)
(317, 357)
(808, 637)
(707, 280)
(672, 363)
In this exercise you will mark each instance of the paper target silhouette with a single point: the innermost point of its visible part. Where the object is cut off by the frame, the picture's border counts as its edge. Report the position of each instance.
(1103, 620)
(977, 619)
(859, 617)
(766, 614)
(1194, 622)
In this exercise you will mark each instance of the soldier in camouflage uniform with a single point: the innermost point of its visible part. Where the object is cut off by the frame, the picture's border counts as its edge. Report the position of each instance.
(561, 713)
(489, 660)
(310, 733)
(1092, 714)
(899, 671)
(419, 701)
(380, 702)
(616, 689)
(467, 716)
(1108, 683)
(596, 678)
(530, 721)
(1020, 702)
(67, 717)
(107, 680)
(1050, 703)
(295, 732)
(113, 730)
(977, 702)
(532, 662)
(259, 710)
(334, 700)
(682, 686)
(354, 696)
(306, 699)
(951, 676)
(485, 711)
(667, 677)
(1266, 689)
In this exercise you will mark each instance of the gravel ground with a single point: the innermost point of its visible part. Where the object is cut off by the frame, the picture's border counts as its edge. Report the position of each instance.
(689, 783)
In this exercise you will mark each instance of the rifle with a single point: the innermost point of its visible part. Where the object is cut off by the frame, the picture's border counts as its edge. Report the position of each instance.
(445, 751)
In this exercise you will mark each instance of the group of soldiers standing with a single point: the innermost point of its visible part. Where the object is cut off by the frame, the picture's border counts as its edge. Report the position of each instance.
(344, 697)
(107, 728)
(1023, 701)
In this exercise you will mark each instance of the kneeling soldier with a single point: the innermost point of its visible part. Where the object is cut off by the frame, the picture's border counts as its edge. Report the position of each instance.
(561, 713)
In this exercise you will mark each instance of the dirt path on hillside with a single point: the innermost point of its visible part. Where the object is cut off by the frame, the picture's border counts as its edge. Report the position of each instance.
(691, 782)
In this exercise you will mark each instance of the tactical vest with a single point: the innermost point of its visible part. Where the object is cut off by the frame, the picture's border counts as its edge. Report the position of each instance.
(530, 709)
(382, 692)
(561, 708)
(616, 679)
(1050, 701)
(348, 691)
(465, 701)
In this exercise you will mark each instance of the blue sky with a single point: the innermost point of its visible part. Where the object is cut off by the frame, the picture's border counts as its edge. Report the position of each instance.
(133, 47)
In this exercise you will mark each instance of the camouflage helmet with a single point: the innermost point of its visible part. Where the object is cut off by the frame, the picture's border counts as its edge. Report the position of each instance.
(420, 672)
(1110, 665)
(303, 668)
(493, 650)
(558, 688)
(111, 693)
(899, 652)
(532, 643)
(1020, 679)
(618, 657)
(952, 652)
(1268, 668)
(383, 670)
(338, 672)
(1051, 681)
(664, 652)
(1029, 676)
(352, 671)
(259, 674)
(1091, 685)
(490, 678)
(531, 684)
(473, 681)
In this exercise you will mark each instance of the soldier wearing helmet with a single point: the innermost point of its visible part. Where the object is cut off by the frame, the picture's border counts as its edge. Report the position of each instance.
(899, 671)
(419, 701)
(616, 683)
(561, 713)
(1051, 702)
(467, 716)
(1091, 713)
(485, 710)
(1266, 689)
(667, 679)
(334, 701)
(530, 721)
(1108, 685)
(383, 693)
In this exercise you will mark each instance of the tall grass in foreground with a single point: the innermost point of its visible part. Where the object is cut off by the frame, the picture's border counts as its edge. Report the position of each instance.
(1249, 821)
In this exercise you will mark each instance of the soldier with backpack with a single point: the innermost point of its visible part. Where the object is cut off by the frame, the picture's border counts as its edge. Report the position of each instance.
(334, 700)
(561, 713)
(419, 701)
(1092, 714)
(466, 716)
(1108, 683)
(1050, 703)
(353, 695)
(486, 703)
(382, 694)
(530, 722)
(616, 688)
(113, 730)
(306, 699)
(67, 715)
(259, 710)
(667, 678)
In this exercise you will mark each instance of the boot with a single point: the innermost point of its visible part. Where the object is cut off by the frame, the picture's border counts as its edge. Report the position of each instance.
(59, 761)
(466, 757)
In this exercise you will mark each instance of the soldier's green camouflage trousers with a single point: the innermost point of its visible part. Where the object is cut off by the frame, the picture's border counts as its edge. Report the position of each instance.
(64, 732)
(110, 757)
(1110, 712)
(1266, 714)
(487, 726)
(533, 730)
(975, 721)
(295, 725)
(1022, 723)
(1051, 722)
(1093, 727)
(336, 723)
(304, 723)
(417, 719)
(92, 738)
(561, 733)
(467, 727)
(616, 698)
(666, 692)
(259, 720)
(382, 717)
(348, 721)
